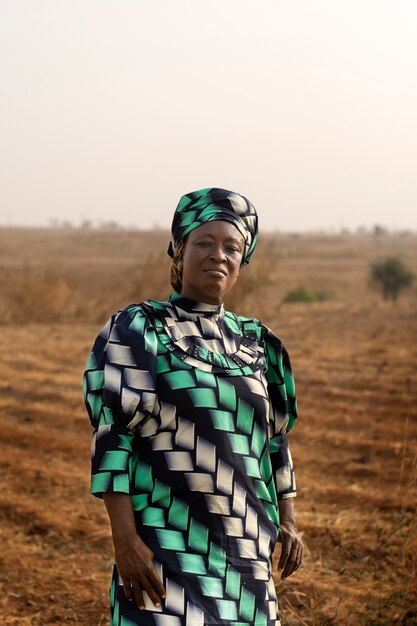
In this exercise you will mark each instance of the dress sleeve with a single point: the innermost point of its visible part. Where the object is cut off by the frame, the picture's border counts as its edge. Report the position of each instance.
(119, 393)
(283, 414)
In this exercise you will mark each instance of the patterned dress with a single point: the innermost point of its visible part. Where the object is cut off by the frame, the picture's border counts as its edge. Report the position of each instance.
(190, 405)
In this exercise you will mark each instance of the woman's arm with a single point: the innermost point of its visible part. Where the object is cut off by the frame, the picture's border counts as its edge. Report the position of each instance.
(133, 558)
(292, 546)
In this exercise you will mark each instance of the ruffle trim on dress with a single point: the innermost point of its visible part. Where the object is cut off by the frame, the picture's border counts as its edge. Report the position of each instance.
(180, 323)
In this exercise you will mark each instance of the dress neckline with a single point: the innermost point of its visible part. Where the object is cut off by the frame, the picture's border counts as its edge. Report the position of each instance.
(185, 327)
(195, 307)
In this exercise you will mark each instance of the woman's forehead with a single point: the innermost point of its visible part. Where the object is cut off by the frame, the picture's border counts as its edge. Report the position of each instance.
(217, 228)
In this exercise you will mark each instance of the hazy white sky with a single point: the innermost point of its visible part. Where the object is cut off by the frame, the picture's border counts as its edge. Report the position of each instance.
(110, 110)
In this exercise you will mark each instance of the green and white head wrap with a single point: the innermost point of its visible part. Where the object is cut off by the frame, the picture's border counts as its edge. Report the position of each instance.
(210, 204)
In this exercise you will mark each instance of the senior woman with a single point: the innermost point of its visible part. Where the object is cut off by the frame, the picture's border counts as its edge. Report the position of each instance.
(190, 406)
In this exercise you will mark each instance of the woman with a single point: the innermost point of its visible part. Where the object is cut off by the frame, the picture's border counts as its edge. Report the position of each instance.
(190, 406)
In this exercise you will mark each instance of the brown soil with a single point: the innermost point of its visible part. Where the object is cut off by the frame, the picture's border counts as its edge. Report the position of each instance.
(354, 357)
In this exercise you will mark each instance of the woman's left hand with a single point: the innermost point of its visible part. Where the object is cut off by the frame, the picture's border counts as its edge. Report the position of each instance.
(292, 549)
(292, 546)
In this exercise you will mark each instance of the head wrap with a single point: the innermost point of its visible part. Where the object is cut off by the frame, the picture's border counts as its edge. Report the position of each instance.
(206, 205)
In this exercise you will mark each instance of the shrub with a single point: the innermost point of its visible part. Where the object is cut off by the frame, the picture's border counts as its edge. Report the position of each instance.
(305, 294)
(391, 276)
(34, 298)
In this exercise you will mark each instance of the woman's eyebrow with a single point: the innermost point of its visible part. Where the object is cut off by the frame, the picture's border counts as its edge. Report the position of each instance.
(210, 236)
(235, 240)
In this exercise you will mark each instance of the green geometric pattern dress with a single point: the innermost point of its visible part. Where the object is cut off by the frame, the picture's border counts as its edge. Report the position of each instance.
(190, 406)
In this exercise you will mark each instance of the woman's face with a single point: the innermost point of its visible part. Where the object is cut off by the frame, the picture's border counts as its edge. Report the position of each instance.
(211, 262)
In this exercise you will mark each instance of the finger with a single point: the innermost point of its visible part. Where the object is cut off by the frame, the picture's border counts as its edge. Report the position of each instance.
(285, 551)
(300, 555)
(157, 584)
(290, 562)
(153, 596)
(298, 561)
(127, 589)
(294, 560)
(149, 586)
(137, 591)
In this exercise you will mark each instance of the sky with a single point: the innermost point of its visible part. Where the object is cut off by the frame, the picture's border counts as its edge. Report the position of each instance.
(110, 110)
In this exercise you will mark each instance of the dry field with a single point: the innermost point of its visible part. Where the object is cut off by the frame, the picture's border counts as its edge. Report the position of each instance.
(354, 358)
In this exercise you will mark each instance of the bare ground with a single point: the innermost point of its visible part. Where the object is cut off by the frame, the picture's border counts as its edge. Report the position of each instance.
(355, 448)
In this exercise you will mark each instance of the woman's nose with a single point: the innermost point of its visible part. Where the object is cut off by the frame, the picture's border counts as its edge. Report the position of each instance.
(218, 253)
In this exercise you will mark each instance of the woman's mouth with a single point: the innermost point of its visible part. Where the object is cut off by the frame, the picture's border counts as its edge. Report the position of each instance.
(213, 271)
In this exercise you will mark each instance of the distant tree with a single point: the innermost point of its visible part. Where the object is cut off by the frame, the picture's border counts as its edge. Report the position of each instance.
(391, 276)
(379, 230)
(362, 230)
(110, 225)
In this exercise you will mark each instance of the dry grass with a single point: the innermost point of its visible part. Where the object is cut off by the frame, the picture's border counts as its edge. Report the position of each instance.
(355, 445)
